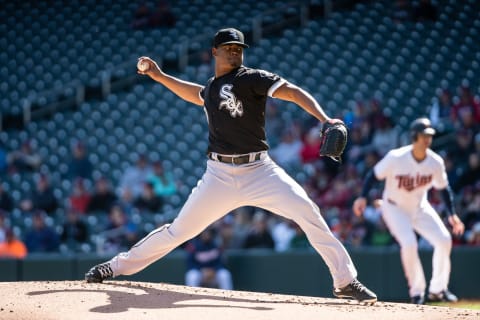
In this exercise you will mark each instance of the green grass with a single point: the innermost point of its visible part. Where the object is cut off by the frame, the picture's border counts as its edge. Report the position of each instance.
(464, 304)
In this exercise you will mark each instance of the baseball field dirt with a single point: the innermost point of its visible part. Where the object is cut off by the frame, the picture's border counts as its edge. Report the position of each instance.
(141, 300)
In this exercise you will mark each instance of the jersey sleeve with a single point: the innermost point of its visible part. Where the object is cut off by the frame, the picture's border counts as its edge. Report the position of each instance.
(382, 167)
(440, 178)
(265, 83)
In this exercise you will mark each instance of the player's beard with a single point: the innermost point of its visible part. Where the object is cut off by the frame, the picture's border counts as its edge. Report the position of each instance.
(235, 62)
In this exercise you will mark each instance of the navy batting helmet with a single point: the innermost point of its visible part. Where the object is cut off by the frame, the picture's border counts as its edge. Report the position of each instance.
(421, 125)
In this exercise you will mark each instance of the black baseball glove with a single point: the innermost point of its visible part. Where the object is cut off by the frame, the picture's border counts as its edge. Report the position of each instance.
(334, 139)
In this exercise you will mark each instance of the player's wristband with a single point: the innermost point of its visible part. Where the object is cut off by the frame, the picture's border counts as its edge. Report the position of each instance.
(447, 196)
(370, 179)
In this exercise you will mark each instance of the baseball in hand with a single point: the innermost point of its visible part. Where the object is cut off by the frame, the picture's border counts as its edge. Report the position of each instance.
(142, 65)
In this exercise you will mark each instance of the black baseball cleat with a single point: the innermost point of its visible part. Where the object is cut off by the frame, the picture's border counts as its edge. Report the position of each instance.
(442, 296)
(357, 291)
(99, 273)
(417, 300)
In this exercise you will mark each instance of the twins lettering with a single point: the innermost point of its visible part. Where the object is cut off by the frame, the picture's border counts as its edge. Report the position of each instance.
(409, 182)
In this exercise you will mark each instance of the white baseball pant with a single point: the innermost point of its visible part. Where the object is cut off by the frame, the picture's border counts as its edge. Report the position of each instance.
(225, 187)
(427, 223)
(223, 278)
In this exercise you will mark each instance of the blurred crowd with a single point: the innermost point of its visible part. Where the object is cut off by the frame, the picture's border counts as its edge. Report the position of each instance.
(98, 216)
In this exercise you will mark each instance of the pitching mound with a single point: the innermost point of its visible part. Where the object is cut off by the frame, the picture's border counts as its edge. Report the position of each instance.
(139, 300)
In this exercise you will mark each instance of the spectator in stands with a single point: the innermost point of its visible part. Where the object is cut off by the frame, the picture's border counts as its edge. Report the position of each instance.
(282, 232)
(385, 137)
(299, 239)
(6, 200)
(380, 235)
(238, 222)
(470, 204)
(135, 175)
(205, 69)
(148, 201)
(375, 115)
(3, 225)
(259, 236)
(120, 233)
(402, 11)
(162, 15)
(461, 148)
(40, 237)
(274, 124)
(141, 17)
(473, 235)
(441, 110)
(3, 158)
(287, 152)
(361, 232)
(163, 182)
(42, 198)
(80, 197)
(103, 197)
(311, 146)
(341, 226)
(357, 145)
(74, 230)
(466, 108)
(79, 165)
(12, 247)
(425, 11)
(205, 263)
(24, 159)
(471, 174)
(337, 195)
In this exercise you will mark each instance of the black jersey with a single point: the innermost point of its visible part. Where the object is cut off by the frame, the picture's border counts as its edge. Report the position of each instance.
(235, 108)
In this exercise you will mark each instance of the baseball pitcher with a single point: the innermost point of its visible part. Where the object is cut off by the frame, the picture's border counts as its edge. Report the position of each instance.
(239, 170)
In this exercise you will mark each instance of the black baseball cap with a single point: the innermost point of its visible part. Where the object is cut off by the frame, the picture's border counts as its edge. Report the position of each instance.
(229, 36)
(422, 125)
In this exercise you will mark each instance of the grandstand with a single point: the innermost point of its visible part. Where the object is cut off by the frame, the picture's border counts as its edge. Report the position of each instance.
(68, 73)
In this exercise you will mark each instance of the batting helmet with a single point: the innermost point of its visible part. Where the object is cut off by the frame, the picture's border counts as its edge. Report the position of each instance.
(421, 125)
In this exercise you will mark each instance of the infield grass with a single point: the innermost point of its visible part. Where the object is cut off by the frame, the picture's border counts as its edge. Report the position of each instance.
(464, 304)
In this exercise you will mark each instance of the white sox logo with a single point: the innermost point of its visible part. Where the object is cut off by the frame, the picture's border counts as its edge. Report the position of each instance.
(230, 102)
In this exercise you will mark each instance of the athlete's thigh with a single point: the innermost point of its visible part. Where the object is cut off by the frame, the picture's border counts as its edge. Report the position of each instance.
(399, 223)
(276, 191)
(212, 198)
(429, 225)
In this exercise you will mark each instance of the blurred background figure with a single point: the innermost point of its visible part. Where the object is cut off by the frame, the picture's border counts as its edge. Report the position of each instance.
(41, 198)
(25, 159)
(79, 165)
(79, 199)
(163, 181)
(74, 231)
(120, 232)
(148, 201)
(103, 197)
(41, 238)
(162, 15)
(205, 265)
(259, 236)
(12, 247)
(135, 175)
(6, 200)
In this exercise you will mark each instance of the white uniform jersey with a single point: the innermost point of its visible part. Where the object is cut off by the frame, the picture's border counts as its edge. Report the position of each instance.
(407, 181)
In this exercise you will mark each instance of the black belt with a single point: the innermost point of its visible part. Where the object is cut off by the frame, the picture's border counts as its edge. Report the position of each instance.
(235, 159)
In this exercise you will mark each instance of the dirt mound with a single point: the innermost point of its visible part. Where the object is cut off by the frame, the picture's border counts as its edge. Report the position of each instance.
(140, 300)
